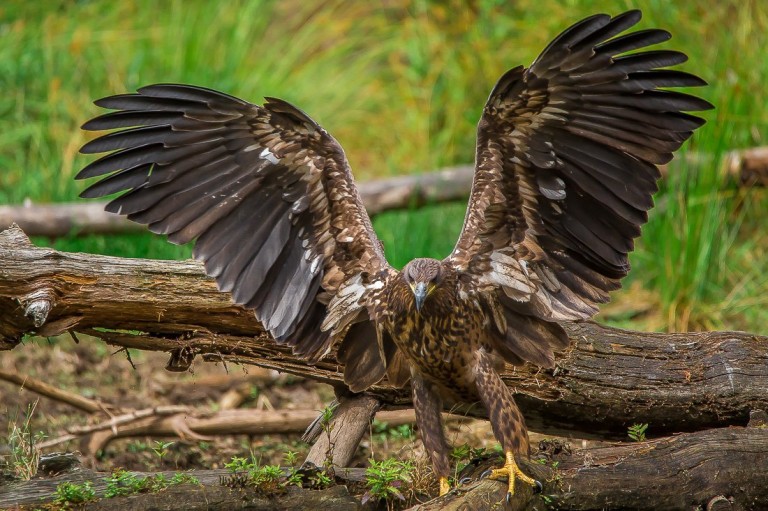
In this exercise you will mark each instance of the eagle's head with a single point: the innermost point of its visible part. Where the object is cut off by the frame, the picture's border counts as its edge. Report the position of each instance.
(423, 276)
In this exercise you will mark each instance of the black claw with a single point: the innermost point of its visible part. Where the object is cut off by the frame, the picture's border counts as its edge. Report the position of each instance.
(509, 497)
(537, 487)
(465, 480)
(485, 474)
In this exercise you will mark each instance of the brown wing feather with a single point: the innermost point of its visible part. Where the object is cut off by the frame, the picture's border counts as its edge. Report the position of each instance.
(266, 193)
(566, 167)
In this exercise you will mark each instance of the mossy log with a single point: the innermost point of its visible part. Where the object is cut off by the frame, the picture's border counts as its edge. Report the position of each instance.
(716, 469)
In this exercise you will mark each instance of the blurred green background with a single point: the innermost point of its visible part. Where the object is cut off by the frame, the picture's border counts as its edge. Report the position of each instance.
(401, 86)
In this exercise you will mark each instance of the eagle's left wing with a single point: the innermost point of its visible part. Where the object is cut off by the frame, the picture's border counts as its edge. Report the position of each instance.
(565, 170)
(267, 195)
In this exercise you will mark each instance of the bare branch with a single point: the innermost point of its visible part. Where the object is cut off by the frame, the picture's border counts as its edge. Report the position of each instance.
(55, 393)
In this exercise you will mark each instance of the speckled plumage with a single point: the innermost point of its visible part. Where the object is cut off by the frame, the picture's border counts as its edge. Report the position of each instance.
(452, 357)
(565, 172)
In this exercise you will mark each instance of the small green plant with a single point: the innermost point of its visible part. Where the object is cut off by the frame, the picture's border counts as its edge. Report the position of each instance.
(383, 431)
(294, 477)
(184, 478)
(161, 448)
(404, 431)
(291, 457)
(238, 464)
(156, 483)
(320, 480)
(121, 483)
(137, 446)
(637, 432)
(266, 478)
(325, 422)
(463, 454)
(25, 456)
(70, 493)
(385, 479)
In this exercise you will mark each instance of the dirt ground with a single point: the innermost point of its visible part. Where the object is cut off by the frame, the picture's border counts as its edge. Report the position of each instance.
(90, 369)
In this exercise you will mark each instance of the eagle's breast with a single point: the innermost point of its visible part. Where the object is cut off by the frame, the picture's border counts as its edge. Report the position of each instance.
(440, 339)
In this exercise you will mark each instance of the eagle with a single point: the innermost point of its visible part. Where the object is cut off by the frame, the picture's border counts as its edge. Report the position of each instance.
(565, 168)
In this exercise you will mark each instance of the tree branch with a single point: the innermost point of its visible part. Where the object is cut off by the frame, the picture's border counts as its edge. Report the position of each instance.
(51, 392)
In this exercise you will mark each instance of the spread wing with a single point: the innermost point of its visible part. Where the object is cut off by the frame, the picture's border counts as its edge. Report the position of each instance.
(266, 193)
(565, 169)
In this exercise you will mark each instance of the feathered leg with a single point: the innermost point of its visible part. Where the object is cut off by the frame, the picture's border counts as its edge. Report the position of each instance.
(428, 406)
(507, 422)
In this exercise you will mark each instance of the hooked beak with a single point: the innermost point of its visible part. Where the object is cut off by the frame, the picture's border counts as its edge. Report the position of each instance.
(420, 294)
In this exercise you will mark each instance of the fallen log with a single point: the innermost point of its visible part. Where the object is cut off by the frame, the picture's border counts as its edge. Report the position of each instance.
(190, 424)
(749, 166)
(720, 467)
(209, 495)
(607, 380)
(715, 469)
(746, 167)
(78, 218)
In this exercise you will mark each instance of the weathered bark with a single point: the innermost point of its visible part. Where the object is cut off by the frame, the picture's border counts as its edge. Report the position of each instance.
(337, 441)
(748, 167)
(605, 381)
(724, 467)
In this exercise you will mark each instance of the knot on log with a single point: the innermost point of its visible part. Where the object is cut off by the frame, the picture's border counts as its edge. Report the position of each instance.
(719, 503)
(38, 304)
(180, 359)
(758, 419)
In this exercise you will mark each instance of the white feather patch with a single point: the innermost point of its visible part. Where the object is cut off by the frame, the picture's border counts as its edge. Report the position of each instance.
(510, 278)
(268, 155)
(343, 307)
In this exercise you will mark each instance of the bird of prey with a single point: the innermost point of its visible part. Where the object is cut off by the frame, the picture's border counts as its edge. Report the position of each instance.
(566, 164)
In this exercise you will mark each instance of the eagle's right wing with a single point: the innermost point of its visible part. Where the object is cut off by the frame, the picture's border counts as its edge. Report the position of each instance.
(269, 198)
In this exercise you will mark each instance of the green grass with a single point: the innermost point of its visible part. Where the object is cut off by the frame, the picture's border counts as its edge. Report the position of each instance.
(401, 86)
(427, 232)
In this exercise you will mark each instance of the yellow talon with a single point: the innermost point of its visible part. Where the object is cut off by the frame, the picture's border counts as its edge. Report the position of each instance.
(444, 486)
(511, 471)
